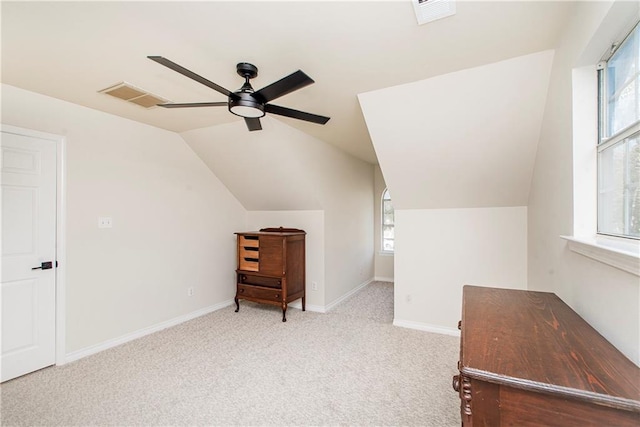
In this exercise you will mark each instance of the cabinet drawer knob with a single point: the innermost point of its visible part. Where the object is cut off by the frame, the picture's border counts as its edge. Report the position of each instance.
(456, 382)
(241, 291)
(277, 295)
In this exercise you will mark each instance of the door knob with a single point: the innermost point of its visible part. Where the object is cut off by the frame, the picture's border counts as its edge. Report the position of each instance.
(45, 265)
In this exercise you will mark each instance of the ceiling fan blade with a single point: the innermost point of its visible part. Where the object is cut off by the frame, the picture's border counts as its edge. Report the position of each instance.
(253, 123)
(295, 114)
(194, 104)
(180, 69)
(293, 81)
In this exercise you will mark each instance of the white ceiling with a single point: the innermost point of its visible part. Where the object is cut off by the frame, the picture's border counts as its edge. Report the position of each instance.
(71, 50)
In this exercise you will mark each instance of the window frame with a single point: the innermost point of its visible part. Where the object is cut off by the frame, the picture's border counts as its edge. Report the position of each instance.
(607, 142)
(616, 252)
(384, 199)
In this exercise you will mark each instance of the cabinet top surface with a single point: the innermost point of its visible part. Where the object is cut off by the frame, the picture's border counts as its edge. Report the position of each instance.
(269, 233)
(534, 340)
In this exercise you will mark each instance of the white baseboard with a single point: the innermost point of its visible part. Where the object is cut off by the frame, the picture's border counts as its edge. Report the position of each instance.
(308, 307)
(426, 327)
(323, 309)
(383, 279)
(88, 351)
(347, 295)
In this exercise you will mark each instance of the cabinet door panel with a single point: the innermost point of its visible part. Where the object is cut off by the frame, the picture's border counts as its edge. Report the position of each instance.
(271, 255)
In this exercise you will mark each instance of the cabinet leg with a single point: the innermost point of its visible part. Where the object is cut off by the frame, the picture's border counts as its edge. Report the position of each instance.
(303, 305)
(284, 311)
(237, 304)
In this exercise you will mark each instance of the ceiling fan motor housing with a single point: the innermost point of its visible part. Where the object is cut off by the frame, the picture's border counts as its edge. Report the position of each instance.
(243, 104)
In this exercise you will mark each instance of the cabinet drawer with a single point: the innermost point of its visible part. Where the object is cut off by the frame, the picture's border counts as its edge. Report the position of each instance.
(249, 252)
(259, 293)
(270, 282)
(249, 264)
(250, 241)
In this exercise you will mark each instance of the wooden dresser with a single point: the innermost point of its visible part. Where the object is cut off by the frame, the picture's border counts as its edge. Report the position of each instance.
(527, 359)
(271, 267)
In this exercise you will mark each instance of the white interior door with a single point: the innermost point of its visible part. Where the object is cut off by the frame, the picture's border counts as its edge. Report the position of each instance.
(28, 289)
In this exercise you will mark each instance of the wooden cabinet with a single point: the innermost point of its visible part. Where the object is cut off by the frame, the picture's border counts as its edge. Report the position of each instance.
(271, 267)
(527, 359)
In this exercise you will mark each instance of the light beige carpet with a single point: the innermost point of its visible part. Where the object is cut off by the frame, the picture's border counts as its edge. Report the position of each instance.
(347, 367)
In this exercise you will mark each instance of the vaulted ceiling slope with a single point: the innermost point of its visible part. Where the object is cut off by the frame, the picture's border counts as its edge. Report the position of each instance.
(462, 140)
(280, 169)
(71, 50)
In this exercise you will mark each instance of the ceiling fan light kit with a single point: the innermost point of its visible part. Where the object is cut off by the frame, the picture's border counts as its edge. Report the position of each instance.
(244, 105)
(245, 102)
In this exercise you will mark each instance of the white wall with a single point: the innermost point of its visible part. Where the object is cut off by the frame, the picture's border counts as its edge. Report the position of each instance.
(348, 201)
(283, 169)
(173, 221)
(440, 250)
(383, 261)
(313, 223)
(607, 298)
(458, 160)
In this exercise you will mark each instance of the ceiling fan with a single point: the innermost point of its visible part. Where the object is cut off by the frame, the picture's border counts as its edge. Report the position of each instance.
(245, 102)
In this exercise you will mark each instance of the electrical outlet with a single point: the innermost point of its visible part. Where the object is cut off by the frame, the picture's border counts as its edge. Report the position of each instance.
(105, 222)
(314, 286)
(190, 291)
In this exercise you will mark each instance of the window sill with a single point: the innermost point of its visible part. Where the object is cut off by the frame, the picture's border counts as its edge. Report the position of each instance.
(385, 253)
(618, 253)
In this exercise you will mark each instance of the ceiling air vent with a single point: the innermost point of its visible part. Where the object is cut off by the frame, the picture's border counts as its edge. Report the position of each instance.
(430, 10)
(132, 94)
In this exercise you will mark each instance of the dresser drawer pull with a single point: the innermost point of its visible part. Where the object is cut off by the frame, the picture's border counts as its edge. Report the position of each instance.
(456, 383)
(277, 296)
(460, 324)
(242, 291)
(252, 259)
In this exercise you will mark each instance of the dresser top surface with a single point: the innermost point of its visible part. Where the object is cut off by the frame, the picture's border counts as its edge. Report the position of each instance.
(270, 233)
(534, 340)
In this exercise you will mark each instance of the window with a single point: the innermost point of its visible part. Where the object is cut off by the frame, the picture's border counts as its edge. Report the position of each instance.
(387, 222)
(619, 140)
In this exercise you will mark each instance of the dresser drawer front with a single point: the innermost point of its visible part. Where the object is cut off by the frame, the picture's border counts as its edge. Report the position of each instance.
(249, 241)
(249, 252)
(270, 282)
(249, 264)
(259, 293)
